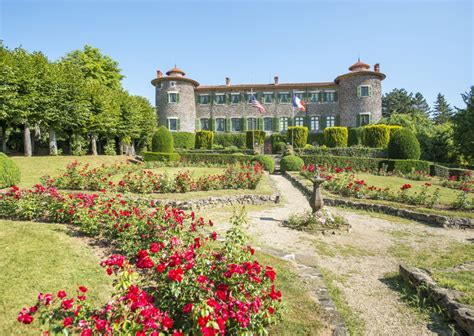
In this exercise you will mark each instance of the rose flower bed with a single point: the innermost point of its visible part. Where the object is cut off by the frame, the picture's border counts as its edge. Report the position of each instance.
(78, 177)
(173, 278)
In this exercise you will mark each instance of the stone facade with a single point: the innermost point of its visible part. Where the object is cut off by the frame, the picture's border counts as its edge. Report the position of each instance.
(352, 99)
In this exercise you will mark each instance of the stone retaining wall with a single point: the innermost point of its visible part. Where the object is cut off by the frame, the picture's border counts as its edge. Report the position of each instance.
(462, 314)
(432, 219)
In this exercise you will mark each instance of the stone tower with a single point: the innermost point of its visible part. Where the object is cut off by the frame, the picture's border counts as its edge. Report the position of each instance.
(175, 102)
(360, 95)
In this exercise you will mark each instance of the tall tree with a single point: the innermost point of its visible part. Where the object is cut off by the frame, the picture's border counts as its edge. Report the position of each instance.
(420, 105)
(464, 126)
(398, 101)
(442, 112)
(96, 66)
(8, 94)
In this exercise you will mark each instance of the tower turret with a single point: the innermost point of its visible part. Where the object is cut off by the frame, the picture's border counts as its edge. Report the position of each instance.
(175, 102)
(360, 95)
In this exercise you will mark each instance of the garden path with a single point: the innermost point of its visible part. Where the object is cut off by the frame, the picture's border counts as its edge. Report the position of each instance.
(359, 261)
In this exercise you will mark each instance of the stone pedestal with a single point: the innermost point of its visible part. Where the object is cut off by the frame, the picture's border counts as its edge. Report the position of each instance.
(316, 201)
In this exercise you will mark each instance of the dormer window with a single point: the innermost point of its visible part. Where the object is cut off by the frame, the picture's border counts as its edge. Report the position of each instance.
(172, 84)
(159, 85)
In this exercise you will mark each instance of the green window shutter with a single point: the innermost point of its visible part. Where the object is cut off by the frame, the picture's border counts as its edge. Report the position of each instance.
(178, 124)
(177, 97)
(358, 91)
(338, 120)
(260, 124)
(335, 96)
(370, 118)
(307, 122)
(212, 124)
(358, 120)
(198, 124)
(291, 121)
(168, 123)
(276, 124)
(227, 125)
(370, 91)
(323, 122)
(244, 124)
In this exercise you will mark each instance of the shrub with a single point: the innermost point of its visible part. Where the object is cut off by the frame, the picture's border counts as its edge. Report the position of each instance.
(228, 140)
(109, 148)
(164, 157)
(348, 151)
(376, 135)
(276, 139)
(183, 140)
(9, 172)
(162, 141)
(204, 139)
(266, 161)
(404, 145)
(291, 163)
(355, 136)
(255, 137)
(335, 136)
(316, 138)
(298, 135)
(216, 158)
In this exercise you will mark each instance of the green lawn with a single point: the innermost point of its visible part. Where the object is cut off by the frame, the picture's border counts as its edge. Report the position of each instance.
(38, 257)
(33, 168)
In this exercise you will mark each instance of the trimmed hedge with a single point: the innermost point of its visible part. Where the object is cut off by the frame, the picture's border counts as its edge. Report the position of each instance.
(204, 139)
(162, 141)
(276, 139)
(183, 140)
(217, 151)
(164, 157)
(317, 138)
(335, 136)
(223, 159)
(368, 164)
(299, 136)
(404, 145)
(230, 139)
(257, 137)
(355, 136)
(10, 174)
(376, 136)
(348, 151)
(266, 161)
(291, 163)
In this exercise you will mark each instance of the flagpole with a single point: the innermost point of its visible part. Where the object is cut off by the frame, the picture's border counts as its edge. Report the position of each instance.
(292, 121)
(253, 131)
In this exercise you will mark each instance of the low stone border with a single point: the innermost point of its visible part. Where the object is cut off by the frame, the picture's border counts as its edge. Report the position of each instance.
(460, 313)
(432, 219)
(317, 288)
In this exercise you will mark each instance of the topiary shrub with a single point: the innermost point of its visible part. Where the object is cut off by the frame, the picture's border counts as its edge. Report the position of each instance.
(9, 172)
(162, 141)
(163, 157)
(276, 139)
(266, 161)
(298, 135)
(291, 163)
(355, 136)
(183, 140)
(255, 137)
(404, 145)
(204, 139)
(376, 136)
(336, 136)
(230, 139)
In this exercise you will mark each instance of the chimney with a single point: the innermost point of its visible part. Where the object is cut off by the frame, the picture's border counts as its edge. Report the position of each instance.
(227, 81)
(159, 74)
(377, 67)
(275, 80)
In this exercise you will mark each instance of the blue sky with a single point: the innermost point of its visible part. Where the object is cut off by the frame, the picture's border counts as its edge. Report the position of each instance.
(424, 46)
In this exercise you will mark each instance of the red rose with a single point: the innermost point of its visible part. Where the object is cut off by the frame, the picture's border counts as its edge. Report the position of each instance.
(201, 278)
(167, 322)
(86, 332)
(67, 304)
(62, 294)
(214, 235)
(176, 274)
(82, 289)
(24, 317)
(187, 308)
(67, 322)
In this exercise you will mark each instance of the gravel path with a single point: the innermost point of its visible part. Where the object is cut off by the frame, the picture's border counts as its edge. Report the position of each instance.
(360, 259)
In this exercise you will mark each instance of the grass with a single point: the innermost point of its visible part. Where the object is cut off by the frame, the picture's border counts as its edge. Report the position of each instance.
(33, 168)
(343, 250)
(440, 261)
(303, 314)
(39, 257)
(354, 323)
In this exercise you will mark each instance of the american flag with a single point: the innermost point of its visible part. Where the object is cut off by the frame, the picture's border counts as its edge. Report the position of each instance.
(257, 105)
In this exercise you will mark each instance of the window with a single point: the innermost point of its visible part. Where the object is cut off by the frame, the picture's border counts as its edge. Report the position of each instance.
(314, 96)
(159, 85)
(283, 124)
(299, 121)
(219, 98)
(330, 96)
(364, 119)
(314, 124)
(205, 124)
(268, 124)
(235, 124)
(172, 84)
(267, 97)
(220, 124)
(204, 99)
(363, 91)
(284, 97)
(251, 124)
(235, 98)
(173, 124)
(250, 96)
(173, 97)
(330, 121)
(299, 94)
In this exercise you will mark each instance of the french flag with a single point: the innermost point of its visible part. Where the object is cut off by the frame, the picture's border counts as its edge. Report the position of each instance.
(298, 103)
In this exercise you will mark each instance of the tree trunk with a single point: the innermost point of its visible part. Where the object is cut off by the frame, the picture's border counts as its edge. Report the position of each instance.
(132, 149)
(53, 143)
(27, 140)
(94, 144)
